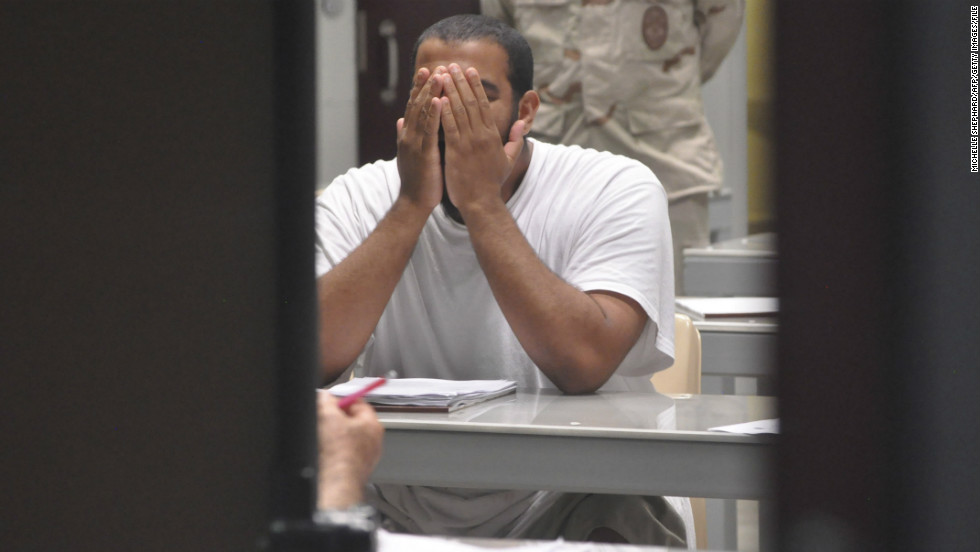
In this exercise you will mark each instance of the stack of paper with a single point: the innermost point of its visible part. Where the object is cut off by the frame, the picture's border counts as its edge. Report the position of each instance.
(427, 394)
(700, 308)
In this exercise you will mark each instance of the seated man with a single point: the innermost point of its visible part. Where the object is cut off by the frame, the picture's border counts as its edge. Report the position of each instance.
(479, 253)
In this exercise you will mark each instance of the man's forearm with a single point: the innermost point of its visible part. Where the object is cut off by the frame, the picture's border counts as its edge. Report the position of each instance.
(353, 295)
(570, 335)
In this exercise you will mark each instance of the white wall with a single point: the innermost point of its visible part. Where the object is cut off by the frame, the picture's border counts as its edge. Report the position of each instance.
(336, 88)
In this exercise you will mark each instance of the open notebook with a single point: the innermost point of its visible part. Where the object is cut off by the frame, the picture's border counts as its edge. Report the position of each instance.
(425, 394)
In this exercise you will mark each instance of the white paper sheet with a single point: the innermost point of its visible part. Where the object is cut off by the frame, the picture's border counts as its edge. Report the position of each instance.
(751, 428)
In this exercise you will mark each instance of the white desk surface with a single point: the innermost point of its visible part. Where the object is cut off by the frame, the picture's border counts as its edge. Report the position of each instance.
(624, 443)
(737, 348)
(757, 324)
(757, 245)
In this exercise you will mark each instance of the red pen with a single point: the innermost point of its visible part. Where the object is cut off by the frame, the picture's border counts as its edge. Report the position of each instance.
(346, 402)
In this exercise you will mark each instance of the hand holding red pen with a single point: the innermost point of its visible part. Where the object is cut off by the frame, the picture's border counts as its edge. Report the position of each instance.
(350, 447)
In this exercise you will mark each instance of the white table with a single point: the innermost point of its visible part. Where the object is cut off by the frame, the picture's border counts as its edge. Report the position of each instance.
(734, 348)
(737, 267)
(625, 443)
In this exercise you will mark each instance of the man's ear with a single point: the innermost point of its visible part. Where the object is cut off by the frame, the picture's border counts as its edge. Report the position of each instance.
(528, 108)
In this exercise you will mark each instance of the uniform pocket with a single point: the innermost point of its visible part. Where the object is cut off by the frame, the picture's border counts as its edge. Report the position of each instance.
(648, 31)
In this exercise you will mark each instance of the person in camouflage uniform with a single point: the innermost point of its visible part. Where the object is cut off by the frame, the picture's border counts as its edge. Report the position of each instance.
(625, 76)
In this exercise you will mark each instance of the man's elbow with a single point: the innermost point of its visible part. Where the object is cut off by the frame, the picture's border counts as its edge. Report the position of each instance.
(577, 387)
(333, 368)
(585, 374)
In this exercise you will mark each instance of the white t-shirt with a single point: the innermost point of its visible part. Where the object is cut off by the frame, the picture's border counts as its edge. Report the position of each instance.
(597, 220)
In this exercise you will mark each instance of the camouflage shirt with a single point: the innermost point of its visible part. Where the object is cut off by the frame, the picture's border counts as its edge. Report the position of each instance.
(645, 57)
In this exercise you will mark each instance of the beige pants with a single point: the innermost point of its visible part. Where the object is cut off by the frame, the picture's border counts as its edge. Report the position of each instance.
(688, 228)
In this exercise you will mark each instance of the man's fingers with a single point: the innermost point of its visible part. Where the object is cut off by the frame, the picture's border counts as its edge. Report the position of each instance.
(420, 79)
(468, 100)
(424, 114)
(422, 76)
(422, 82)
(327, 410)
(455, 103)
(449, 123)
(480, 96)
(435, 83)
(515, 140)
(361, 410)
(326, 399)
(431, 129)
(416, 109)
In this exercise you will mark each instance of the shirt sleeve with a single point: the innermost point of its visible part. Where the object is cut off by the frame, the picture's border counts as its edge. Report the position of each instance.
(623, 245)
(347, 211)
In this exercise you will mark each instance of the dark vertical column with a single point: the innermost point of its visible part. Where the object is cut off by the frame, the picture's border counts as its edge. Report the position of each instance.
(877, 215)
(834, 186)
(138, 274)
(935, 377)
(296, 319)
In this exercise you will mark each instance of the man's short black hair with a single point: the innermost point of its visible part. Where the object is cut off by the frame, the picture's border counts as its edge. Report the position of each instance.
(467, 27)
